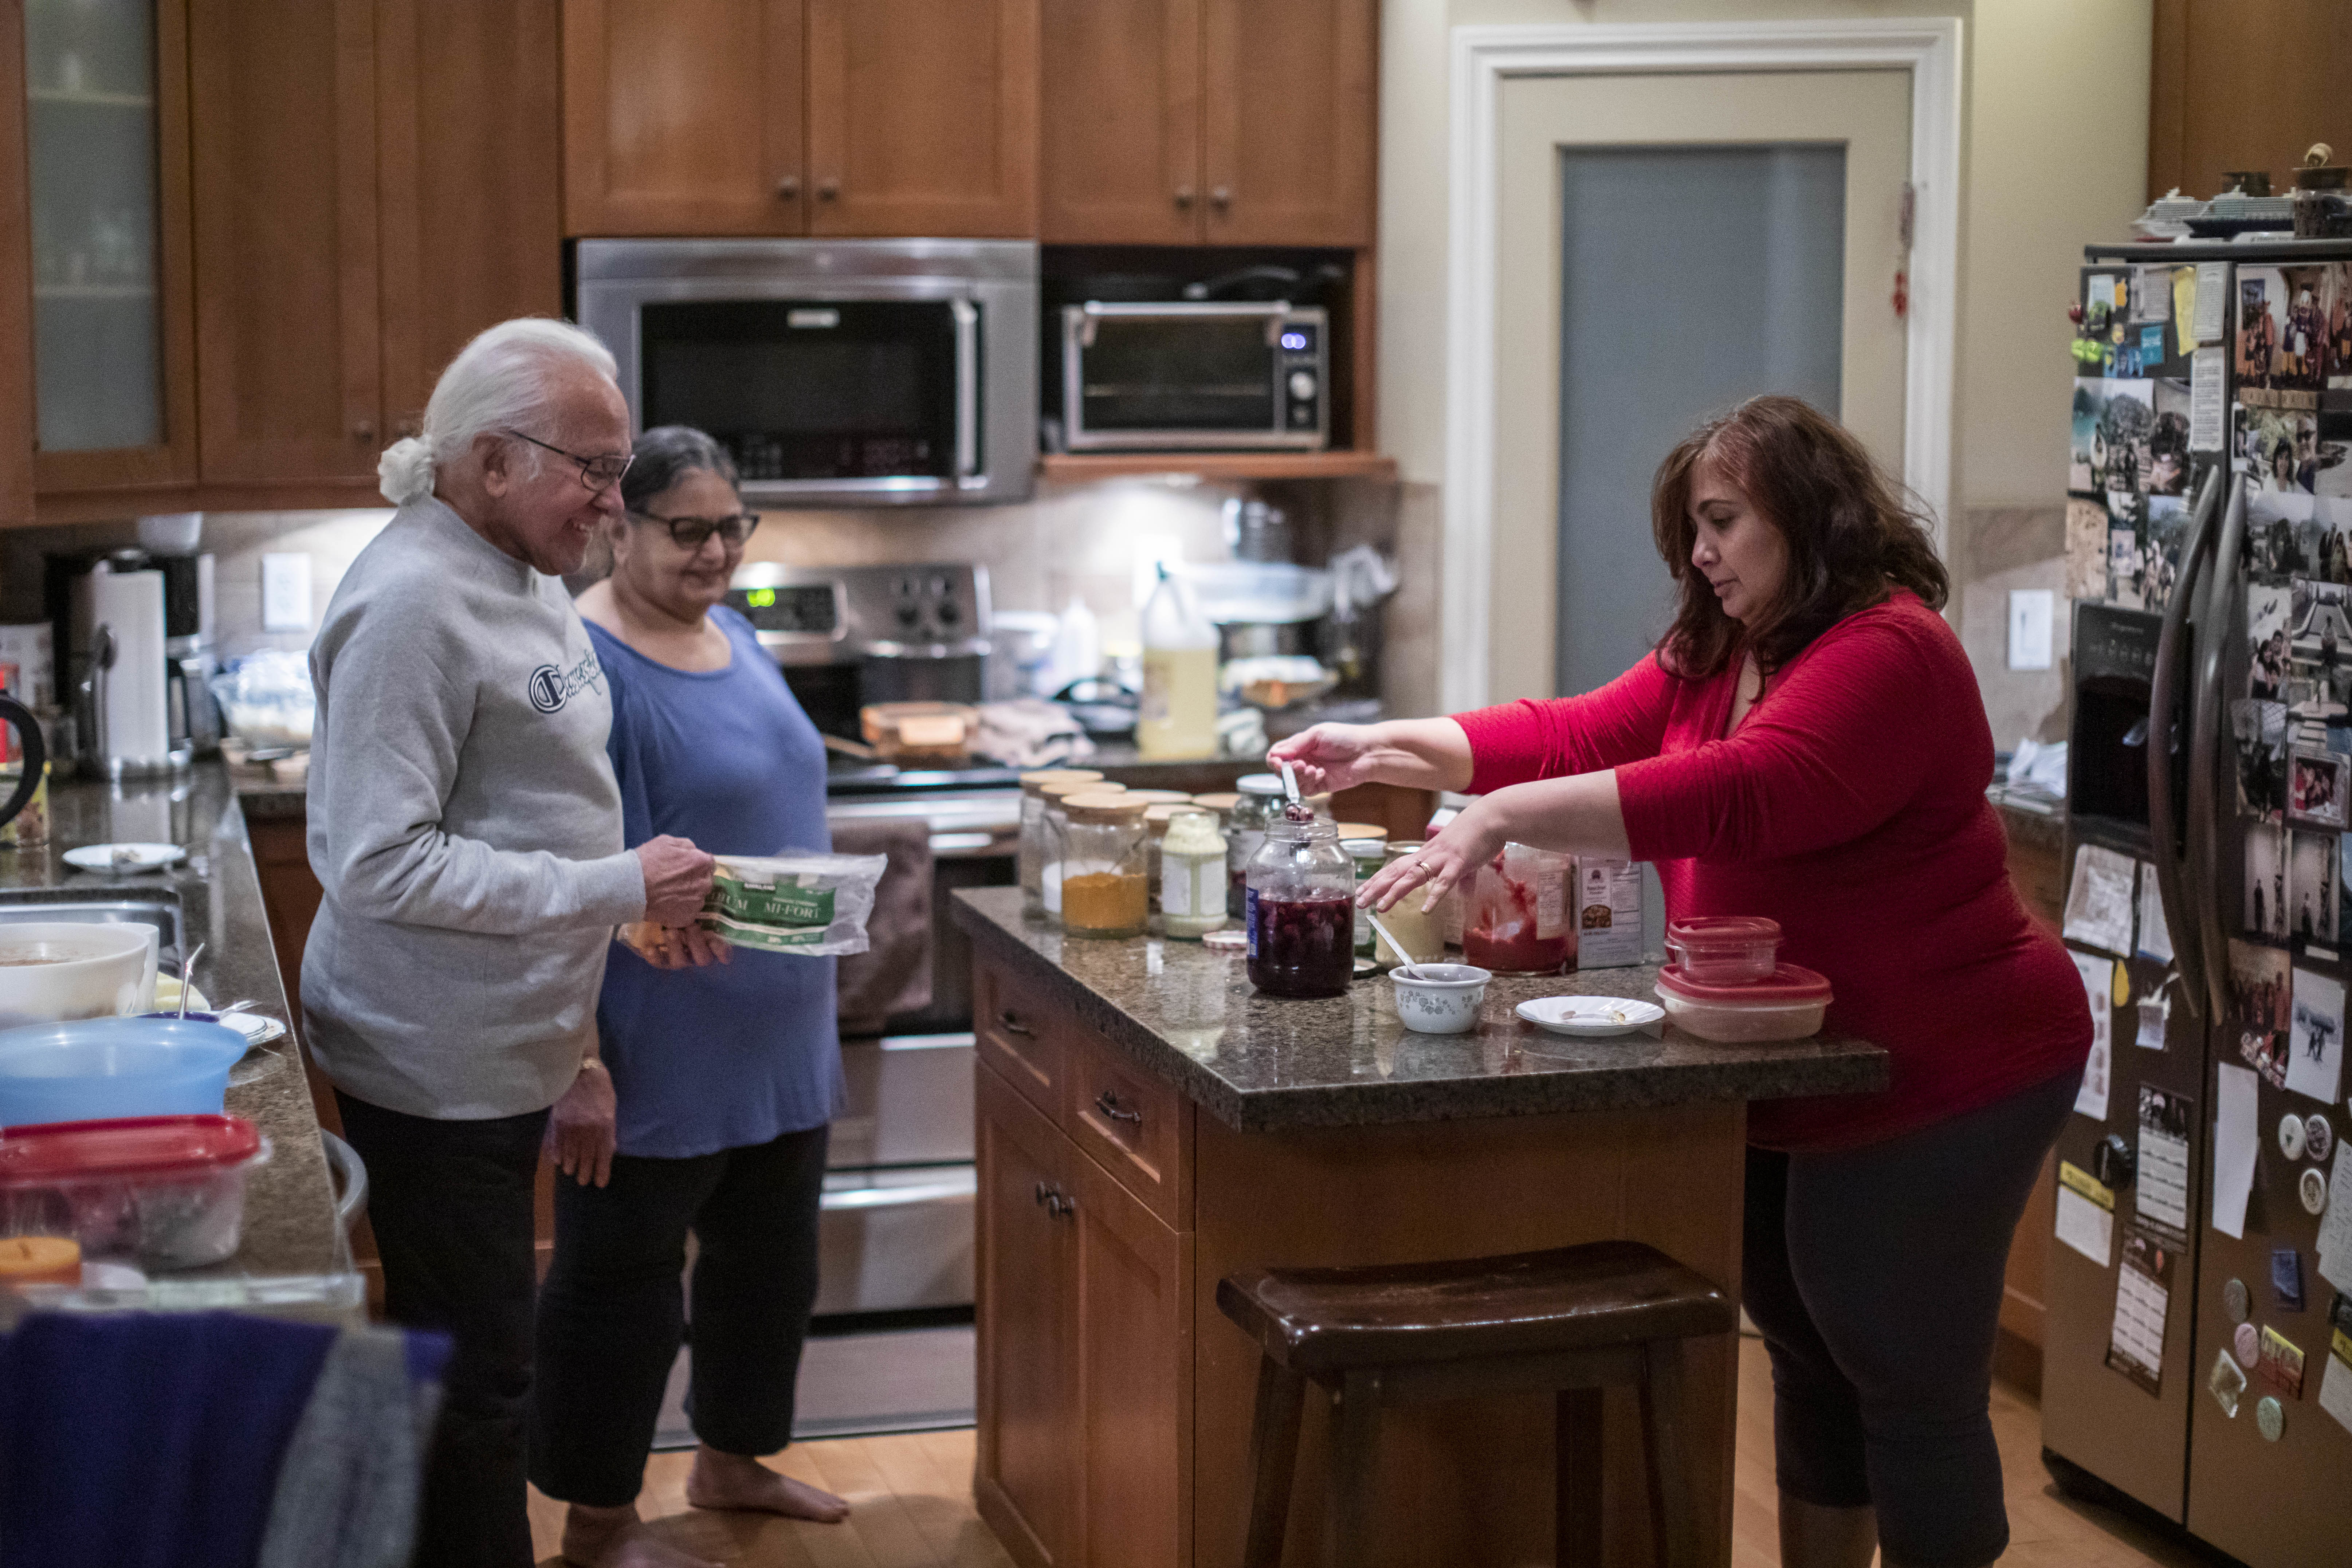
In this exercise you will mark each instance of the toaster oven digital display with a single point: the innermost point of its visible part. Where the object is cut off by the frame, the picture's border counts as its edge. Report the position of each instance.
(807, 609)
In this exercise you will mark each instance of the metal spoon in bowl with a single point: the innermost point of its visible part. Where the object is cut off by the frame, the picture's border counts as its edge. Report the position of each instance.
(1405, 954)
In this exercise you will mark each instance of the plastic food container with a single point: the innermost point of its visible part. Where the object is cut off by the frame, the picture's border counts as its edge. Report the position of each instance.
(1724, 949)
(1788, 1006)
(105, 1068)
(167, 1192)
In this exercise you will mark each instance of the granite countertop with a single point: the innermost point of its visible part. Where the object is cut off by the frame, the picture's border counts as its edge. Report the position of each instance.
(1259, 1064)
(264, 795)
(290, 1219)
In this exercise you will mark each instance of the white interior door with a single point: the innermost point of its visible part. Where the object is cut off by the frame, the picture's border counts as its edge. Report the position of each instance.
(1668, 245)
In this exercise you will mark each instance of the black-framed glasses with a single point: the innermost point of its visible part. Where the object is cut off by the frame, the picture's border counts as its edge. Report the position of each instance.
(689, 533)
(599, 474)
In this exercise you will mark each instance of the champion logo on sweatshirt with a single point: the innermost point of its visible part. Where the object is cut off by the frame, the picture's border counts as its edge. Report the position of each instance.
(552, 688)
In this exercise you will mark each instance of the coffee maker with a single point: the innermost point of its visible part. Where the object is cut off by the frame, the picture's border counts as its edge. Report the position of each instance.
(134, 631)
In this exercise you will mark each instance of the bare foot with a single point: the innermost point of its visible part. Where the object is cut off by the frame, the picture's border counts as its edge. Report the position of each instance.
(612, 1537)
(739, 1481)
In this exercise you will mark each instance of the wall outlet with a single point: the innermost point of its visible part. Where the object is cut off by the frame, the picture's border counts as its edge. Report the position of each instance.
(286, 592)
(2031, 614)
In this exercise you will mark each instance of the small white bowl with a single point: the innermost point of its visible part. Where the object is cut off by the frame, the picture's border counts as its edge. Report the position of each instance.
(1439, 998)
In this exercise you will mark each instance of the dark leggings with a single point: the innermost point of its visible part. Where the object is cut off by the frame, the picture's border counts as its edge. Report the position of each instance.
(612, 1311)
(1875, 1275)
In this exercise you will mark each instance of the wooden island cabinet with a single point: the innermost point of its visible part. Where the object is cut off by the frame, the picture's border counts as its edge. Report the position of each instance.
(1148, 1125)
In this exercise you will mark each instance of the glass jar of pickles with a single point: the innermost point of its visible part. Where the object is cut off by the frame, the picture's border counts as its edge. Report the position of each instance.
(1030, 860)
(1051, 829)
(1191, 874)
(1258, 801)
(1103, 857)
(1301, 905)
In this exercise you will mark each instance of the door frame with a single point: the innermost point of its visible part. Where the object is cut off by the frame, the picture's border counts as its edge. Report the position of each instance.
(1484, 58)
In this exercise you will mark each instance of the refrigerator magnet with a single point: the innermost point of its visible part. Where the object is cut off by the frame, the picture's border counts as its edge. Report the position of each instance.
(2290, 1136)
(2235, 1303)
(2286, 1279)
(2312, 1190)
(2270, 1416)
(2246, 1344)
(2227, 1383)
(2282, 1363)
(2319, 1138)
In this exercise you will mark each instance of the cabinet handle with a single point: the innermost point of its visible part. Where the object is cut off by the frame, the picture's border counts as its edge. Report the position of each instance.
(1060, 1207)
(1044, 1194)
(787, 188)
(363, 430)
(1107, 1103)
(1184, 197)
(1011, 1023)
(828, 188)
(1220, 197)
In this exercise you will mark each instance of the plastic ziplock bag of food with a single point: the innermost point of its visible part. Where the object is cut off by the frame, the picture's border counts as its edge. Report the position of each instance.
(801, 902)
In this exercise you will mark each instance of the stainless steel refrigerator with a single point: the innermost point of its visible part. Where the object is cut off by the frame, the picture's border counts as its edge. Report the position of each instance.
(2198, 1342)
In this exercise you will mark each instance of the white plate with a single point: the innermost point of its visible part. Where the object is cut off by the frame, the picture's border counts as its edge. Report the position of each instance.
(125, 857)
(1592, 1017)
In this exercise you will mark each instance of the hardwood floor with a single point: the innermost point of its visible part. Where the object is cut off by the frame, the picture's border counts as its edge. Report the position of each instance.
(911, 1500)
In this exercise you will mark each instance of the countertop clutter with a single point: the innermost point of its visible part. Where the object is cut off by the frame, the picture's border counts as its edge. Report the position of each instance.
(1259, 1064)
(293, 1256)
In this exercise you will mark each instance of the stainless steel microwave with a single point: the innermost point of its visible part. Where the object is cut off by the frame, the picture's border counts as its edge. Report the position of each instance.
(1197, 375)
(837, 371)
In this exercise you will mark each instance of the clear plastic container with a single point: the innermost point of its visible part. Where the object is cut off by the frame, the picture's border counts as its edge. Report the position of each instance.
(1788, 1006)
(166, 1192)
(1725, 950)
(92, 1068)
(1103, 853)
(1300, 909)
(1031, 859)
(1258, 801)
(1518, 917)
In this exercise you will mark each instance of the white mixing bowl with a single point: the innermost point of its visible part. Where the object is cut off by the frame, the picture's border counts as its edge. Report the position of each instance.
(55, 969)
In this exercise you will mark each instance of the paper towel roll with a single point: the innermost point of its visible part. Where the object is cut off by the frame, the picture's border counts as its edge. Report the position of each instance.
(138, 725)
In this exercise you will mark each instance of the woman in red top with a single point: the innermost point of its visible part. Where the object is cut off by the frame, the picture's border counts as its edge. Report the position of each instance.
(1806, 743)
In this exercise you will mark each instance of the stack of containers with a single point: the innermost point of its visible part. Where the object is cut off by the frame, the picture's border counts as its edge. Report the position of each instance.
(1053, 824)
(1031, 853)
(1727, 981)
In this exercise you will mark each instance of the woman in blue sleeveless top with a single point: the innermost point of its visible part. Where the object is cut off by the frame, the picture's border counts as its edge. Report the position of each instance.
(710, 1114)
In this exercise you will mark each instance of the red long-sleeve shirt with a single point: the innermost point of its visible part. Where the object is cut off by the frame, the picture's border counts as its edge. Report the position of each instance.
(1849, 806)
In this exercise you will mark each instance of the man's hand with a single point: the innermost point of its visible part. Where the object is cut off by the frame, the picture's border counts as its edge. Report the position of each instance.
(678, 879)
(579, 1130)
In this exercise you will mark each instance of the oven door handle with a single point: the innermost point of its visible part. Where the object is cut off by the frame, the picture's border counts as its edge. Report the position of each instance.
(856, 1199)
(967, 373)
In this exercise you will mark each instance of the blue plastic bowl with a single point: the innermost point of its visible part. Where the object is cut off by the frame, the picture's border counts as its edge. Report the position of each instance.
(91, 1069)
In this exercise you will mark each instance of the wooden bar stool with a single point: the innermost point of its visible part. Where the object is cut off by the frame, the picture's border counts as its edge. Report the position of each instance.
(1574, 1320)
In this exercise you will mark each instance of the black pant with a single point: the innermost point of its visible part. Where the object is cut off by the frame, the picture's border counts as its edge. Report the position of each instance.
(613, 1311)
(450, 1203)
(1875, 1275)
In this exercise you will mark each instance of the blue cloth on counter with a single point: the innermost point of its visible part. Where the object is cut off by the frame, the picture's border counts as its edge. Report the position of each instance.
(732, 1055)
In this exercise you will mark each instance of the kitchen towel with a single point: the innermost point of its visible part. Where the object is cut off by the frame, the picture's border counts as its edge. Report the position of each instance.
(893, 975)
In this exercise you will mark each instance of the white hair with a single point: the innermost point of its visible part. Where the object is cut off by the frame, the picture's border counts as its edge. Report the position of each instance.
(500, 379)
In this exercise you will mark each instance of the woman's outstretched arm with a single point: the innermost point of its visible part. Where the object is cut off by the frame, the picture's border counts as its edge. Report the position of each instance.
(1414, 754)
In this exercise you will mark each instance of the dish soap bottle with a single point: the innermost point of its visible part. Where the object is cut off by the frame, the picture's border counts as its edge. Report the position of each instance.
(1178, 713)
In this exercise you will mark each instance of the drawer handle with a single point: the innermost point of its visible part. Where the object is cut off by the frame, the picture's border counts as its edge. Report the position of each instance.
(1107, 1103)
(1045, 1192)
(1011, 1024)
(1056, 1206)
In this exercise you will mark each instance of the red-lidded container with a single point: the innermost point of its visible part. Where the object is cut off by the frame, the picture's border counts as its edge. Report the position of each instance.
(1725, 950)
(1788, 1006)
(167, 1192)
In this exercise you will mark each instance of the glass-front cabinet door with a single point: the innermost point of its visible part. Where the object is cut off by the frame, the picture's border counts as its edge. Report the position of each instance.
(107, 154)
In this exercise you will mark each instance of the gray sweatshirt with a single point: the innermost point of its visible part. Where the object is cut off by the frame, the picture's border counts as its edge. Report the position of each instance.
(464, 826)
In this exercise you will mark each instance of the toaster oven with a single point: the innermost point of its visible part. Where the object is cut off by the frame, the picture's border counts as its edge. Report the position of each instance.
(1195, 375)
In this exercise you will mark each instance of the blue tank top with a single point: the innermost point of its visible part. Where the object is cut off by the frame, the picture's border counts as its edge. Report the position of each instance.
(735, 1054)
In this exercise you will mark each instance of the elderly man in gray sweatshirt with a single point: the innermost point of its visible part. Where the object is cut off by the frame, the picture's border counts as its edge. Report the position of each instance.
(464, 826)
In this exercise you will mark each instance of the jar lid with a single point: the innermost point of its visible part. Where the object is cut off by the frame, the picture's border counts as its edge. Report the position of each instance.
(1061, 789)
(1260, 783)
(1159, 812)
(1221, 801)
(129, 1146)
(1401, 848)
(1709, 930)
(1787, 983)
(1363, 830)
(1160, 796)
(1105, 807)
(1034, 782)
(1363, 849)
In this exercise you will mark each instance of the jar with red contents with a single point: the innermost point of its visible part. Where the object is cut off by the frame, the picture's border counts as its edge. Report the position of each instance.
(1516, 918)
(1299, 907)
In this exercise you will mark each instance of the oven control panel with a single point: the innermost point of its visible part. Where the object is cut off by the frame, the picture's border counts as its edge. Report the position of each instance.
(841, 614)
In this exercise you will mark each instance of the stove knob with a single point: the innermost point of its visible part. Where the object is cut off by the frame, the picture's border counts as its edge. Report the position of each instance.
(949, 612)
(1302, 385)
(909, 614)
(942, 588)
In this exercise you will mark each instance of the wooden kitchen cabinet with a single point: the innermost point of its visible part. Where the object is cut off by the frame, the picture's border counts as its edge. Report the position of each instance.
(1216, 121)
(789, 117)
(470, 140)
(684, 117)
(283, 120)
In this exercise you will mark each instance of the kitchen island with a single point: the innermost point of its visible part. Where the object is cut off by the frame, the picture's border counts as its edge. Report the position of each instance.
(1148, 1123)
(294, 1259)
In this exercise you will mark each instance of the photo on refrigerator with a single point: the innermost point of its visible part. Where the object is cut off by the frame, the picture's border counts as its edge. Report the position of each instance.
(2265, 913)
(2280, 447)
(2260, 1003)
(2275, 524)
(2281, 335)
(2114, 423)
(2335, 305)
(2258, 730)
(2319, 664)
(2270, 608)
(2322, 541)
(2311, 887)
(2318, 781)
(2164, 533)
